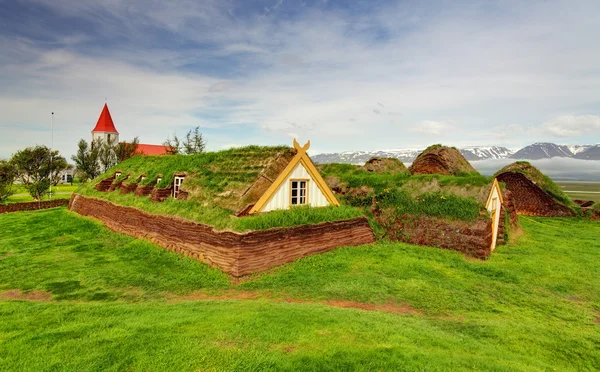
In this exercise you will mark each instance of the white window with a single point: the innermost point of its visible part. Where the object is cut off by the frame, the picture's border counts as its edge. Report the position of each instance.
(298, 192)
(177, 185)
(117, 174)
(158, 180)
(142, 178)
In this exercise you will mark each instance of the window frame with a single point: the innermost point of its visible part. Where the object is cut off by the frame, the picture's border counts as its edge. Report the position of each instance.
(292, 180)
(176, 187)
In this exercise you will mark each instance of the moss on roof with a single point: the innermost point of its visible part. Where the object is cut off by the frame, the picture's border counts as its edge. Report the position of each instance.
(444, 196)
(385, 165)
(540, 179)
(438, 159)
(219, 184)
(226, 179)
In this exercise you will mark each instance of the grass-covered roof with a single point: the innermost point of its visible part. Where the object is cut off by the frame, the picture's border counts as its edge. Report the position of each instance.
(444, 196)
(385, 165)
(540, 179)
(219, 185)
(438, 159)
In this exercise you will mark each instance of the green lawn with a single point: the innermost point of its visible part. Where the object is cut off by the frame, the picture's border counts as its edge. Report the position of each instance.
(59, 192)
(585, 190)
(123, 304)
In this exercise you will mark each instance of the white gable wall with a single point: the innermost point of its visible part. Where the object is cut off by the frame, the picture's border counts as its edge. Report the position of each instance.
(281, 198)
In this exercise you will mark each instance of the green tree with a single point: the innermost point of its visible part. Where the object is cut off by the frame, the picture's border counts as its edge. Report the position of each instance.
(193, 143)
(8, 174)
(86, 161)
(37, 168)
(106, 154)
(173, 145)
(125, 150)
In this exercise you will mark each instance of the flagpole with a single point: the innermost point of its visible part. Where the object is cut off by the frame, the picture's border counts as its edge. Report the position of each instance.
(51, 147)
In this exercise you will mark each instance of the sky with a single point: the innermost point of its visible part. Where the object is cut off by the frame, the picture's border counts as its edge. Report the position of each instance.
(347, 75)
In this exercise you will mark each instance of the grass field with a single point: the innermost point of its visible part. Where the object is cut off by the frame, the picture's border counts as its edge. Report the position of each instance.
(76, 296)
(59, 192)
(585, 190)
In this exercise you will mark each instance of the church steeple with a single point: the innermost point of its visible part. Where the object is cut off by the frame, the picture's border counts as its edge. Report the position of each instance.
(105, 128)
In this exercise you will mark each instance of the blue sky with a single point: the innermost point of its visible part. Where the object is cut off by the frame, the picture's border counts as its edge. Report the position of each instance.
(347, 75)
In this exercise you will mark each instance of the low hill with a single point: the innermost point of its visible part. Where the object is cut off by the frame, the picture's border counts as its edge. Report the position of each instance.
(438, 159)
(385, 165)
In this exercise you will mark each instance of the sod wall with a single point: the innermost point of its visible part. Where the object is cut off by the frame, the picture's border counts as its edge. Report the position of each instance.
(530, 199)
(237, 254)
(32, 206)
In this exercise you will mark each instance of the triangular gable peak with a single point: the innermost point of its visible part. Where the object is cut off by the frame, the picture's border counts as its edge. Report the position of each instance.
(300, 183)
(105, 123)
(495, 192)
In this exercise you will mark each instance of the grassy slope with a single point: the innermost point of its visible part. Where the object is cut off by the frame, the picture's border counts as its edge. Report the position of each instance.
(531, 306)
(450, 197)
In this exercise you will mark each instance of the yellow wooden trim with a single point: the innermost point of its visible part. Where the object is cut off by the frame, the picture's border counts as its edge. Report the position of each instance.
(301, 157)
(495, 185)
(321, 184)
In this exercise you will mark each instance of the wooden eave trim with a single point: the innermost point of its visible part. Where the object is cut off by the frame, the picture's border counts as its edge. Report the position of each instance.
(301, 157)
(321, 184)
(495, 185)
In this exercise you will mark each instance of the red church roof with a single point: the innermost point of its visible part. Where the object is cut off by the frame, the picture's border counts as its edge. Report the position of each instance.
(144, 149)
(105, 123)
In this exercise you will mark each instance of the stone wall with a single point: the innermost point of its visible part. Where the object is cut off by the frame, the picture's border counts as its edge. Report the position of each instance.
(32, 206)
(237, 254)
(530, 199)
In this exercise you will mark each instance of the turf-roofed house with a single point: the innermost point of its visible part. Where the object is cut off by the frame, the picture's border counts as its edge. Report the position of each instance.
(440, 201)
(243, 210)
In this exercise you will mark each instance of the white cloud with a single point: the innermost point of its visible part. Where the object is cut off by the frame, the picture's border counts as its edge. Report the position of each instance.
(430, 127)
(572, 126)
(316, 70)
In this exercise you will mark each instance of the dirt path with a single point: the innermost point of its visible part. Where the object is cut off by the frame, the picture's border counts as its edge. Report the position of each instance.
(232, 295)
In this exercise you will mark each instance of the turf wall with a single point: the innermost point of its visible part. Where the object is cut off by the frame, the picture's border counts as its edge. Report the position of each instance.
(32, 206)
(237, 254)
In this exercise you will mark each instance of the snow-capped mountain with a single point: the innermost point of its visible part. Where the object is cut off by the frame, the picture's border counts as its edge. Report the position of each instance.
(576, 149)
(483, 152)
(590, 153)
(361, 157)
(536, 151)
(408, 155)
(543, 150)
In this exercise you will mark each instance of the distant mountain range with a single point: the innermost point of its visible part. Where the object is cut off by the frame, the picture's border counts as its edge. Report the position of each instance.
(535, 151)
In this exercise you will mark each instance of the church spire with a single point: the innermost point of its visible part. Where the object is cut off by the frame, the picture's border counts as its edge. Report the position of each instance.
(105, 123)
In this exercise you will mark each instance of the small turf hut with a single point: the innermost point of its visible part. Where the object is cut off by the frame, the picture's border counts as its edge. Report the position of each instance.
(534, 193)
(438, 159)
(385, 165)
